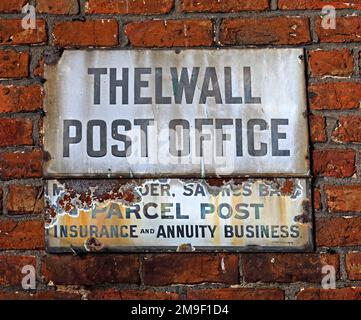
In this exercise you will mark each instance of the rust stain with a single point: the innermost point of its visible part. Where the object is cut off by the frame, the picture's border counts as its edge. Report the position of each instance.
(305, 217)
(288, 187)
(93, 245)
(107, 204)
(185, 247)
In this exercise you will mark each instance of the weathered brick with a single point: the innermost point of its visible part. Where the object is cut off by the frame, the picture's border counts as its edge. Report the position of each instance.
(275, 30)
(12, 32)
(39, 295)
(12, 6)
(24, 234)
(16, 132)
(338, 163)
(323, 63)
(343, 198)
(348, 130)
(142, 7)
(10, 268)
(100, 33)
(24, 199)
(39, 69)
(286, 267)
(347, 30)
(90, 269)
(353, 265)
(222, 6)
(21, 164)
(335, 96)
(342, 232)
(236, 294)
(317, 199)
(170, 33)
(112, 294)
(165, 269)
(330, 294)
(1, 200)
(57, 6)
(318, 128)
(20, 98)
(317, 4)
(14, 64)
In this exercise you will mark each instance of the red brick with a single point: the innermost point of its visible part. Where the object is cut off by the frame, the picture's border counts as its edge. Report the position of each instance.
(343, 198)
(348, 130)
(16, 234)
(39, 69)
(21, 164)
(317, 199)
(39, 295)
(14, 64)
(317, 4)
(275, 31)
(112, 294)
(333, 63)
(338, 232)
(1, 200)
(286, 267)
(20, 98)
(11, 266)
(100, 33)
(170, 33)
(335, 96)
(236, 294)
(165, 269)
(330, 294)
(57, 6)
(338, 163)
(353, 265)
(142, 7)
(24, 199)
(12, 32)
(347, 30)
(16, 132)
(222, 6)
(318, 128)
(91, 270)
(12, 6)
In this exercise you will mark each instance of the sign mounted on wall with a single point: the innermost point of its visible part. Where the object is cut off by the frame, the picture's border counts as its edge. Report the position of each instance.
(178, 215)
(158, 113)
(160, 125)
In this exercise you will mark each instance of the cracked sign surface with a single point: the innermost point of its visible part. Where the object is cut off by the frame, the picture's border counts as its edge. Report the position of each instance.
(178, 215)
(162, 113)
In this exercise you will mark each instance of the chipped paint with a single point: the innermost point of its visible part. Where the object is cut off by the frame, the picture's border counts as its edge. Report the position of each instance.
(178, 215)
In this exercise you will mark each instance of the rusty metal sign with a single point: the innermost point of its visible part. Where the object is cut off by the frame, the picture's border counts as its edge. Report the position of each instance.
(178, 215)
(162, 113)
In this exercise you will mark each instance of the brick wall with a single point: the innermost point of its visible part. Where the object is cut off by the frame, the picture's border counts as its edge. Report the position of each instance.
(334, 93)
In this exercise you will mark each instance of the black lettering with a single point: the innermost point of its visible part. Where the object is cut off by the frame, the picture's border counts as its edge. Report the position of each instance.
(97, 72)
(184, 84)
(210, 77)
(250, 137)
(186, 148)
(67, 139)
(102, 135)
(276, 135)
(248, 98)
(228, 87)
(121, 137)
(139, 84)
(114, 83)
(159, 99)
